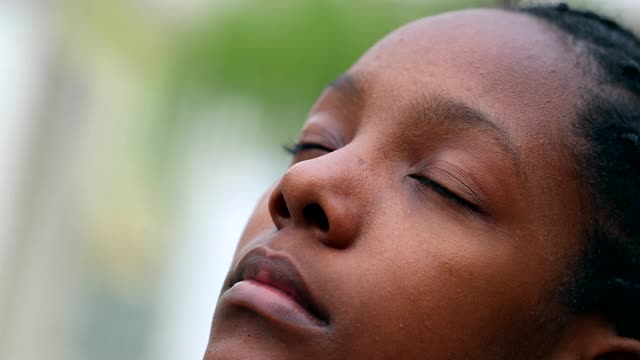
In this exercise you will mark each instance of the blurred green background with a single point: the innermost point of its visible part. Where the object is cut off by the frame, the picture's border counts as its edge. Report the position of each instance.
(135, 137)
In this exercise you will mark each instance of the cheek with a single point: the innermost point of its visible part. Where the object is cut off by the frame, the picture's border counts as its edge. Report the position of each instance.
(452, 287)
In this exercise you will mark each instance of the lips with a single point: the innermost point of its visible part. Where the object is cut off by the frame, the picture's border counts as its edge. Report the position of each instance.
(273, 287)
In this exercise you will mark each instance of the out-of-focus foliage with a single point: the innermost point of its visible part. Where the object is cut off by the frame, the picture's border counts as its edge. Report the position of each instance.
(286, 52)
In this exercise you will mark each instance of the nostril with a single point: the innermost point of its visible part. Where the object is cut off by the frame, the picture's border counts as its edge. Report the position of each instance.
(316, 216)
(281, 207)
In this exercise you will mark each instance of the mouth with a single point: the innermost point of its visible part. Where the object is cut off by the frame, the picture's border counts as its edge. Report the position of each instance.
(272, 287)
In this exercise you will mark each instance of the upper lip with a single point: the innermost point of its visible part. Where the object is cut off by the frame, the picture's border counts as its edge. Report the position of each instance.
(279, 272)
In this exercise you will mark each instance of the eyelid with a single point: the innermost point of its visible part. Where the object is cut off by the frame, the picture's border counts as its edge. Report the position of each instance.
(458, 183)
(315, 136)
(302, 146)
(456, 179)
(317, 132)
(448, 193)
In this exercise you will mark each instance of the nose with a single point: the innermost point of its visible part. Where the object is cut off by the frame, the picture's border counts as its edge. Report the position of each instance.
(318, 196)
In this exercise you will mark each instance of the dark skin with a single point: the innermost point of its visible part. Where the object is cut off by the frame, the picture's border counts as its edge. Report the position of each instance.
(446, 212)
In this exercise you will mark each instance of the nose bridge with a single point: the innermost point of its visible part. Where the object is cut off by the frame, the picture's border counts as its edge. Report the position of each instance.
(328, 193)
(331, 172)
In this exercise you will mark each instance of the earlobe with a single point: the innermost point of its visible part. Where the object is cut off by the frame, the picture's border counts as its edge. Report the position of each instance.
(591, 337)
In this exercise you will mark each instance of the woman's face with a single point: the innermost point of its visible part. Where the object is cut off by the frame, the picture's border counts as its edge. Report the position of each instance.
(430, 211)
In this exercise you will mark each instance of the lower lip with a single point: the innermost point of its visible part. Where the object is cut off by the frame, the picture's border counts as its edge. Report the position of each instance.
(271, 303)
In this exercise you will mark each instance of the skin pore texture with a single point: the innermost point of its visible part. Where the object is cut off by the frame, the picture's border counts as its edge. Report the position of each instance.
(431, 207)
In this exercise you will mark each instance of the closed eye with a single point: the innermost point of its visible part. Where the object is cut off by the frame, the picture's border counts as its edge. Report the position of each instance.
(302, 146)
(446, 193)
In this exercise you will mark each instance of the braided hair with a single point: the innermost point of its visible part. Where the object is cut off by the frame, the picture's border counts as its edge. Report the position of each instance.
(608, 128)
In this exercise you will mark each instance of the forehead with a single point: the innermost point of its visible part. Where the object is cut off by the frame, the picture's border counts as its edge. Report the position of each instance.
(511, 66)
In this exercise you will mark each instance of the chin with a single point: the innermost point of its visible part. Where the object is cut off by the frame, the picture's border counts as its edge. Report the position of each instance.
(239, 333)
(245, 348)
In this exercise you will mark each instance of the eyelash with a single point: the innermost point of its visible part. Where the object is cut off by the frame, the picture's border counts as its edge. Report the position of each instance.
(446, 193)
(435, 186)
(299, 147)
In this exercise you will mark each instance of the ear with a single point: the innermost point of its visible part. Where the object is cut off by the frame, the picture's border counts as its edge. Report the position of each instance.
(591, 337)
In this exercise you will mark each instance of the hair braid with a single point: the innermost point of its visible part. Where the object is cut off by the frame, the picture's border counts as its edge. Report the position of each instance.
(609, 123)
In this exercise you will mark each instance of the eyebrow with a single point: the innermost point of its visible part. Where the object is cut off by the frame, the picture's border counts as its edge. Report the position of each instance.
(347, 85)
(449, 111)
(437, 107)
